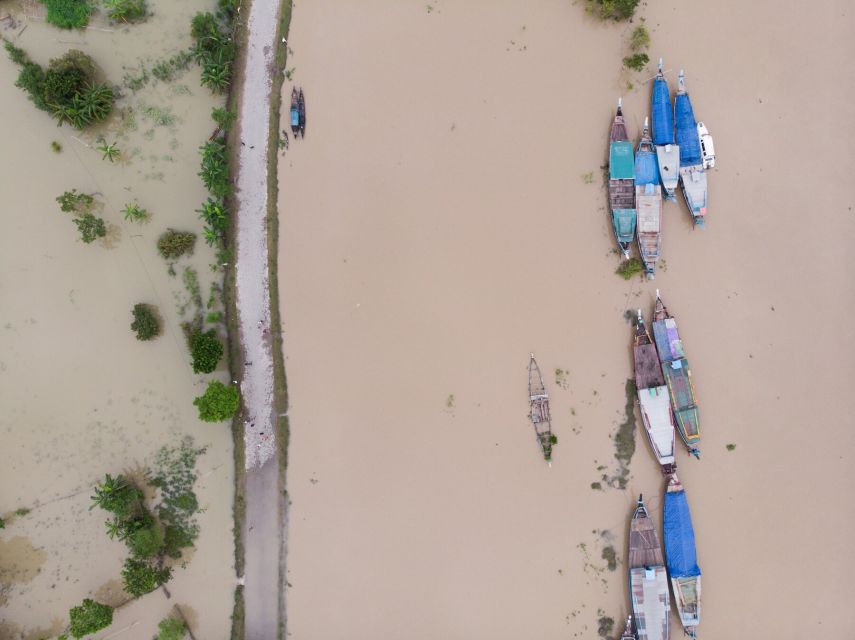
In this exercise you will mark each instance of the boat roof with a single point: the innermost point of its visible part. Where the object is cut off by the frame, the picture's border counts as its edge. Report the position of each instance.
(621, 163)
(648, 370)
(646, 167)
(686, 130)
(660, 111)
(680, 552)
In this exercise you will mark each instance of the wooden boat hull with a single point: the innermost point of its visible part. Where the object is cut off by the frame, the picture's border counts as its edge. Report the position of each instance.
(648, 202)
(651, 603)
(693, 184)
(539, 409)
(687, 597)
(655, 404)
(621, 183)
(668, 159)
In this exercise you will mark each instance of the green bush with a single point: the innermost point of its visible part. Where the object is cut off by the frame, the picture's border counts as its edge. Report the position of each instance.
(171, 629)
(629, 268)
(75, 202)
(119, 496)
(16, 55)
(68, 14)
(89, 617)
(173, 244)
(140, 578)
(218, 403)
(640, 38)
(146, 541)
(146, 323)
(223, 117)
(215, 168)
(636, 61)
(214, 48)
(126, 10)
(612, 9)
(31, 79)
(91, 227)
(206, 350)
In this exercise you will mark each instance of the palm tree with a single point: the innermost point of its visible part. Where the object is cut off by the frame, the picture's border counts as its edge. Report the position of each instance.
(211, 236)
(135, 213)
(111, 152)
(107, 491)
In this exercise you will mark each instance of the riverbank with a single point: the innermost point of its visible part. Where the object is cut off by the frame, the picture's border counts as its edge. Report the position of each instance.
(458, 223)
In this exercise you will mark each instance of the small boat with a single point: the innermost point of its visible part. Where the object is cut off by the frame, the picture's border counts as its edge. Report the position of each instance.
(295, 112)
(678, 376)
(621, 183)
(628, 630)
(681, 557)
(648, 581)
(301, 108)
(693, 178)
(653, 398)
(540, 417)
(667, 151)
(707, 146)
(648, 202)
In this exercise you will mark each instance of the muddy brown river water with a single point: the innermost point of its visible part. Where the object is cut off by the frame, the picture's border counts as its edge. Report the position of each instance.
(437, 226)
(81, 396)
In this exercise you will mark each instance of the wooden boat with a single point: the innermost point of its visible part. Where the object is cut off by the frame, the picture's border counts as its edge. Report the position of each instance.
(295, 112)
(667, 151)
(628, 631)
(681, 556)
(648, 202)
(678, 376)
(693, 177)
(301, 108)
(539, 415)
(648, 581)
(653, 397)
(621, 183)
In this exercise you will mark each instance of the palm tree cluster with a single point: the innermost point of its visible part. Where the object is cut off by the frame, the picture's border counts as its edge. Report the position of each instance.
(214, 50)
(216, 218)
(215, 167)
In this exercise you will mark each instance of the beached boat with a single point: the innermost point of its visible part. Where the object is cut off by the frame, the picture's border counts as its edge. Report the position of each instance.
(621, 183)
(693, 177)
(653, 397)
(678, 376)
(707, 146)
(540, 417)
(648, 581)
(648, 202)
(301, 107)
(628, 630)
(667, 151)
(295, 112)
(681, 556)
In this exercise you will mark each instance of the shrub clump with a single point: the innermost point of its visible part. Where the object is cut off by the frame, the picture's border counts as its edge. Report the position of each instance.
(612, 9)
(68, 14)
(629, 268)
(206, 350)
(639, 39)
(67, 89)
(139, 577)
(215, 168)
(214, 49)
(173, 244)
(90, 226)
(636, 61)
(218, 403)
(171, 629)
(126, 10)
(89, 617)
(146, 323)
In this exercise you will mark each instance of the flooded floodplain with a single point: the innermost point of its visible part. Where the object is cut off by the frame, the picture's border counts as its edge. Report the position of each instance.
(445, 216)
(81, 396)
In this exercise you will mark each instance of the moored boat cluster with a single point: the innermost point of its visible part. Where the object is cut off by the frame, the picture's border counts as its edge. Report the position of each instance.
(677, 154)
(666, 399)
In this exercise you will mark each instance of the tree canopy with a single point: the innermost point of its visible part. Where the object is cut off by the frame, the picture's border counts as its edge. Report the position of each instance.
(219, 402)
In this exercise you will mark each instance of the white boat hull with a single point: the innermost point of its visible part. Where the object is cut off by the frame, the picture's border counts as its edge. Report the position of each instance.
(693, 183)
(687, 596)
(658, 422)
(651, 603)
(668, 158)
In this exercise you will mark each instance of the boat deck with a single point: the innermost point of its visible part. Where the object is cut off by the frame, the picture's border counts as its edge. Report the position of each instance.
(622, 194)
(648, 370)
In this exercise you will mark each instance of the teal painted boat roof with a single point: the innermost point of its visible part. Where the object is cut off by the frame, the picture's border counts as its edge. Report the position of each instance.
(621, 161)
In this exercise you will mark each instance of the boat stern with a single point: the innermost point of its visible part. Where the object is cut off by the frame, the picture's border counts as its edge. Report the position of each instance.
(693, 183)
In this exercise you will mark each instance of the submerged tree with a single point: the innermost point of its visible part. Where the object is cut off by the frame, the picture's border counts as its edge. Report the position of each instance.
(218, 403)
(206, 350)
(89, 617)
(146, 323)
(139, 577)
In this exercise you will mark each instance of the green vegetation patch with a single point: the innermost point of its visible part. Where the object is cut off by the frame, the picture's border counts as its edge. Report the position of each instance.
(171, 629)
(611, 9)
(207, 351)
(215, 48)
(68, 14)
(610, 556)
(630, 268)
(89, 617)
(139, 577)
(639, 39)
(636, 61)
(173, 244)
(730, 447)
(605, 624)
(175, 474)
(219, 402)
(126, 10)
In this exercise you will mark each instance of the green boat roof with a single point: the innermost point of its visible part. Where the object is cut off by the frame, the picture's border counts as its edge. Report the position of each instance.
(621, 161)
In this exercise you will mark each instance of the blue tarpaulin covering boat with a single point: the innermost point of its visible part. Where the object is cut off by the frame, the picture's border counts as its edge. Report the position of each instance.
(680, 556)
(693, 178)
(646, 169)
(667, 152)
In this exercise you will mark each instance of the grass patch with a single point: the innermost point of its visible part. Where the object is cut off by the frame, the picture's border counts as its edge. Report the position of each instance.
(639, 39)
(610, 556)
(630, 268)
(636, 61)
(68, 14)
(605, 624)
(611, 9)
(730, 447)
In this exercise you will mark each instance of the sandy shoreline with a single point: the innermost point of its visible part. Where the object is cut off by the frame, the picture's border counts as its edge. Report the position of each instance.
(436, 229)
